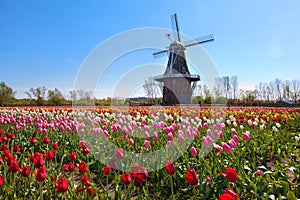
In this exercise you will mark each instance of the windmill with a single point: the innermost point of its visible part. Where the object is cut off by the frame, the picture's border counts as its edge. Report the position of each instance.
(177, 83)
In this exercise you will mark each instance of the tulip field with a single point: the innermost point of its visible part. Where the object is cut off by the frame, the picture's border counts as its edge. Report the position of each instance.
(178, 152)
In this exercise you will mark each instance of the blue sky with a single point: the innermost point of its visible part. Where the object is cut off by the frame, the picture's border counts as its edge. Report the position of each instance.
(44, 43)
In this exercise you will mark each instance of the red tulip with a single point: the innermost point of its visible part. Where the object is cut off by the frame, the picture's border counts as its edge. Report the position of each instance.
(119, 154)
(126, 178)
(49, 155)
(226, 196)
(170, 168)
(71, 167)
(37, 159)
(139, 174)
(106, 170)
(41, 174)
(24, 171)
(85, 150)
(16, 148)
(14, 166)
(53, 178)
(46, 140)
(65, 168)
(55, 146)
(230, 194)
(62, 185)
(32, 141)
(1, 180)
(230, 174)
(85, 181)
(3, 147)
(82, 168)
(72, 156)
(6, 155)
(90, 191)
(10, 135)
(191, 177)
(79, 190)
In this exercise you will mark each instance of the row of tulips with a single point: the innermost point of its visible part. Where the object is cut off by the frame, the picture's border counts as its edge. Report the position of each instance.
(234, 153)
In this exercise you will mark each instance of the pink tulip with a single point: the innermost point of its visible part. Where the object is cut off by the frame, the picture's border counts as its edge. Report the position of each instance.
(232, 143)
(105, 133)
(216, 134)
(236, 139)
(154, 136)
(217, 147)
(147, 144)
(146, 128)
(226, 147)
(245, 136)
(194, 151)
(169, 143)
(178, 127)
(208, 180)
(209, 140)
(188, 133)
(146, 134)
(233, 131)
(181, 137)
(170, 137)
(209, 133)
(205, 142)
(131, 142)
(259, 172)
(199, 126)
(205, 125)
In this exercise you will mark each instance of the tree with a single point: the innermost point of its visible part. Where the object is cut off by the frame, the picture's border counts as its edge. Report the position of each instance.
(55, 97)
(37, 94)
(198, 90)
(218, 87)
(206, 92)
(278, 89)
(235, 87)
(6, 94)
(226, 85)
(73, 95)
(151, 88)
(84, 97)
(295, 89)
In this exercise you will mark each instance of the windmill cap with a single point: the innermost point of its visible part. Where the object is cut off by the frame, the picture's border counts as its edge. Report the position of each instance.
(177, 45)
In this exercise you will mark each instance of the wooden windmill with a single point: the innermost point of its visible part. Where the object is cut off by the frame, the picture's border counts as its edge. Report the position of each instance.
(177, 82)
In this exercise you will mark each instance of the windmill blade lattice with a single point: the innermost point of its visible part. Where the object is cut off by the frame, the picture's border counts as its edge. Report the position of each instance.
(200, 40)
(175, 27)
(160, 53)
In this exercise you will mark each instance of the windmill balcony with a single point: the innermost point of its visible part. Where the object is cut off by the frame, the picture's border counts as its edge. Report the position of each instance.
(190, 77)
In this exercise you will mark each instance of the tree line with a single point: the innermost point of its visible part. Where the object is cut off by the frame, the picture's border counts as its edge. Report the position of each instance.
(224, 91)
(40, 96)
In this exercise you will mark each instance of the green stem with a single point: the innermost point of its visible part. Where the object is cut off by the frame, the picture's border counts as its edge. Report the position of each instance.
(41, 191)
(107, 189)
(172, 189)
